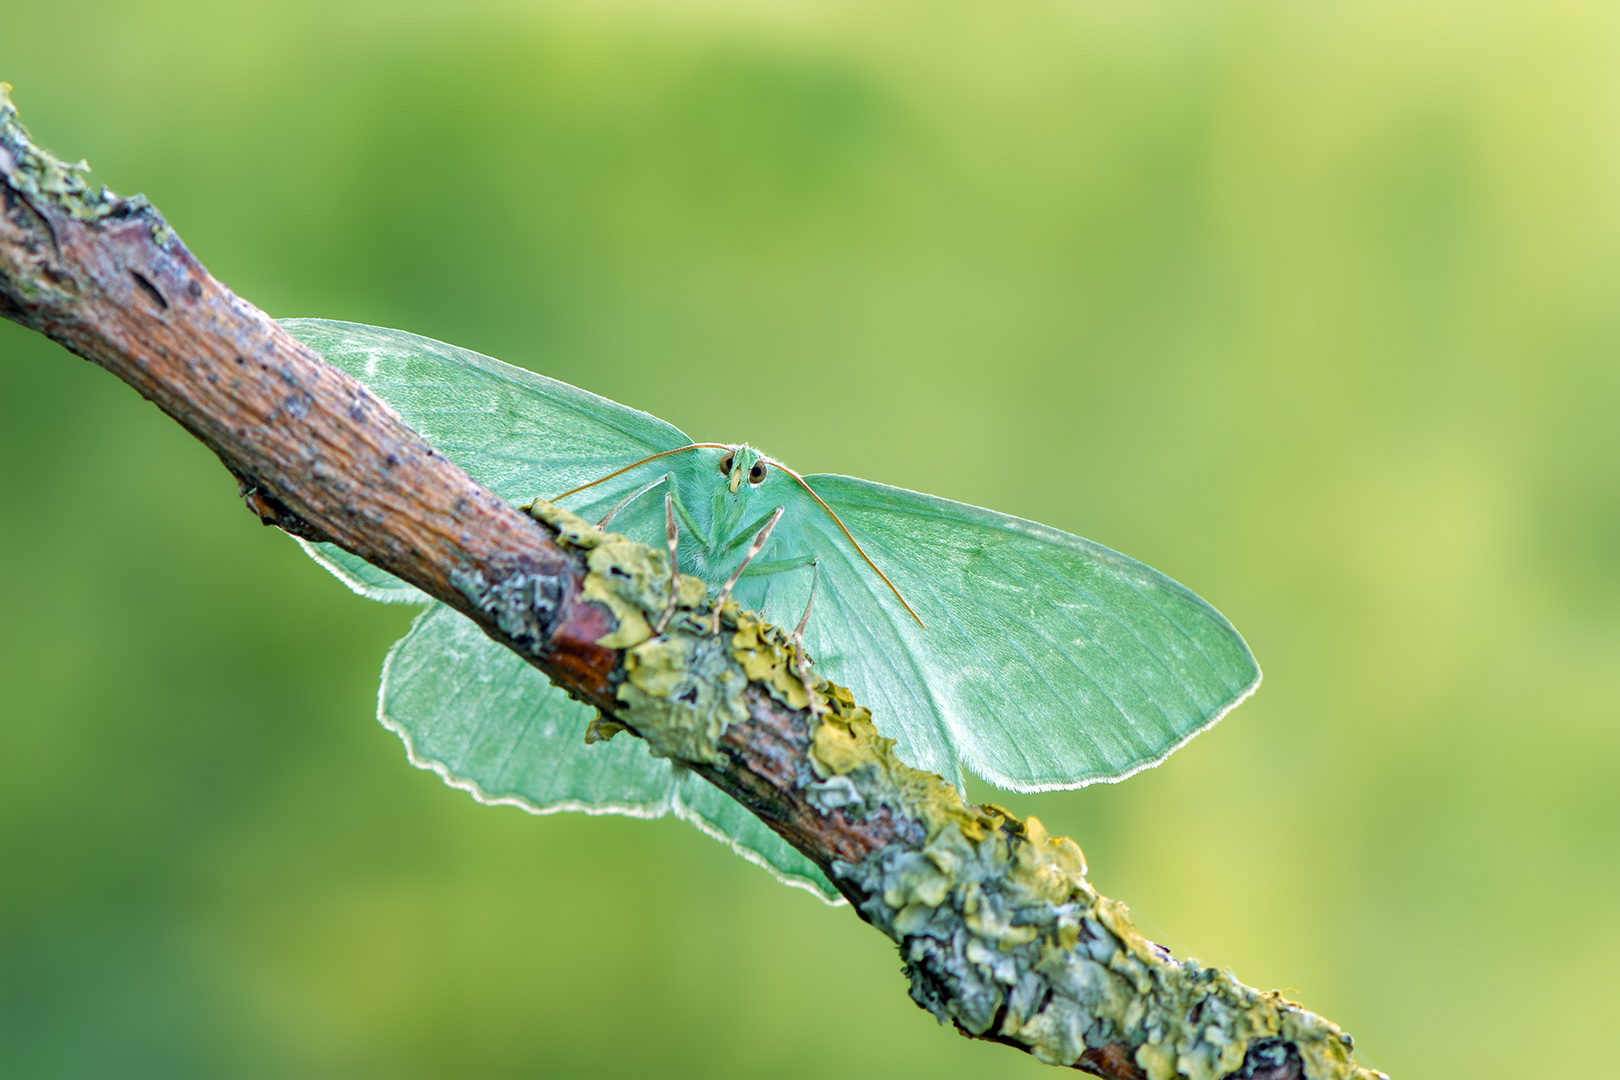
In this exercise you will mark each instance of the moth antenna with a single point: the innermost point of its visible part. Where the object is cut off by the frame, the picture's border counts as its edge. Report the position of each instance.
(674, 538)
(841, 528)
(643, 461)
(755, 548)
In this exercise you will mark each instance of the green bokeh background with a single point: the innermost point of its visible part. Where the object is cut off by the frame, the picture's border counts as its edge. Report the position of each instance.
(1315, 306)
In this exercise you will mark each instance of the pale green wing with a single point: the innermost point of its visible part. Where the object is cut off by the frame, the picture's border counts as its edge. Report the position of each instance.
(519, 434)
(490, 724)
(485, 721)
(1047, 661)
(722, 817)
(467, 708)
(854, 637)
(361, 576)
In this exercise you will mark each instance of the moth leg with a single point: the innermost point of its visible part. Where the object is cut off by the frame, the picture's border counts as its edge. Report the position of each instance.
(801, 659)
(681, 511)
(622, 503)
(804, 620)
(674, 537)
(753, 549)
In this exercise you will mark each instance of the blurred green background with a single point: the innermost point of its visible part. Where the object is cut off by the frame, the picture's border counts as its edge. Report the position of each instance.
(1313, 306)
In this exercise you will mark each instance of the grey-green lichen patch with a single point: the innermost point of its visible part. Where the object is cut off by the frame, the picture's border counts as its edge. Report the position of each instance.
(846, 751)
(999, 928)
(42, 176)
(680, 693)
(1002, 934)
(519, 604)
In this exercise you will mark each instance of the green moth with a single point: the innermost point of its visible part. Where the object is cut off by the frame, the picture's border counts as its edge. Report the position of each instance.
(981, 642)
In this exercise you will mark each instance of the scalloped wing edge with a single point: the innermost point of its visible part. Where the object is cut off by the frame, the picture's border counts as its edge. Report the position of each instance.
(672, 803)
(991, 776)
(645, 811)
(709, 829)
(406, 595)
(1034, 529)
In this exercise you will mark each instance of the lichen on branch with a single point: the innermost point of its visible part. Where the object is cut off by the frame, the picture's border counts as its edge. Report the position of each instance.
(1003, 935)
(1000, 931)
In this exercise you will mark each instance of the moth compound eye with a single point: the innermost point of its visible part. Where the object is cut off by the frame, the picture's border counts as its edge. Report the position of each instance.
(757, 473)
(725, 462)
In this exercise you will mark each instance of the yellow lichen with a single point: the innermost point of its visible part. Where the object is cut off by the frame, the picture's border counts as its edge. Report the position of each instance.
(40, 175)
(631, 579)
(770, 658)
(845, 742)
(601, 729)
(680, 693)
(998, 925)
(572, 530)
(632, 627)
(1002, 911)
(681, 688)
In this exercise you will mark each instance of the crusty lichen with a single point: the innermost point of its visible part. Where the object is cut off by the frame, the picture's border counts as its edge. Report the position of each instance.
(1000, 930)
(681, 688)
(41, 176)
(1002, 934)
(769, 657)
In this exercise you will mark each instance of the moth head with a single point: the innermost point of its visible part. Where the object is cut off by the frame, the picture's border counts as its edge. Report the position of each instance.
(743, 464)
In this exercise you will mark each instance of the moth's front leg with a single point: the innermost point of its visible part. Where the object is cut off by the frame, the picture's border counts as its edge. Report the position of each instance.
(684, 514)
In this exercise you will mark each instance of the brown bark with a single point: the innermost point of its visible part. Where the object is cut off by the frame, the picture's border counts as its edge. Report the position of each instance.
(318, 455)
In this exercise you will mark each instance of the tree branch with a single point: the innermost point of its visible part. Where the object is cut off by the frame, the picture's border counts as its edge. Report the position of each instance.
(1001, 933)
